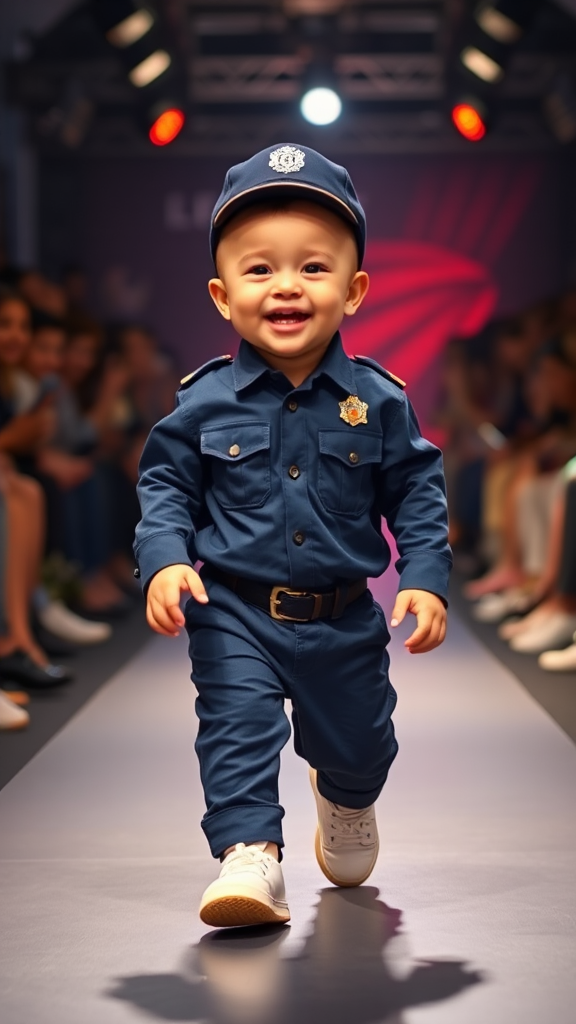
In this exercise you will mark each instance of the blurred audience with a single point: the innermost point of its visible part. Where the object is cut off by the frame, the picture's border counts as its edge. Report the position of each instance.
(76, 404)
(507, 406)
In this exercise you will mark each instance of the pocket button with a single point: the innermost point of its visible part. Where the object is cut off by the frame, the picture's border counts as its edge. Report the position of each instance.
(234, 450)
(354, 457)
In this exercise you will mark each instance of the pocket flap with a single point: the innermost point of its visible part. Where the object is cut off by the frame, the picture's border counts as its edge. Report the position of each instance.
(234, 442)
(354, 449)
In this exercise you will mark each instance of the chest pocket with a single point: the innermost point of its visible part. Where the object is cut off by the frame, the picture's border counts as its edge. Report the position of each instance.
(346, 467)
(240, 463)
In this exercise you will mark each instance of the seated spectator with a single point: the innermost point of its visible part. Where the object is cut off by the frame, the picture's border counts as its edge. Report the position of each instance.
(67, 465)
(23, 435)
(529, 467)
(21, 657)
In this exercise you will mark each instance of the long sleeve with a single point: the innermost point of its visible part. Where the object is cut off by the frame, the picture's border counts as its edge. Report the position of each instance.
(170, 494)
(412, 498)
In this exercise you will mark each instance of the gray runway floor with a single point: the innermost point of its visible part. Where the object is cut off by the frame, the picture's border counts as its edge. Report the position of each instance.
(469, 917)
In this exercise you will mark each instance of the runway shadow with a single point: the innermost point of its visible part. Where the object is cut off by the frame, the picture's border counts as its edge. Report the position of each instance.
(347, 973)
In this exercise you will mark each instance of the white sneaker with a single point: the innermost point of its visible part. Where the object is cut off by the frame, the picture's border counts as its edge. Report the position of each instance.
(11, 716)
(556, 630)
(249, 890)
(346, 840)
(559, 661)
(59, 620)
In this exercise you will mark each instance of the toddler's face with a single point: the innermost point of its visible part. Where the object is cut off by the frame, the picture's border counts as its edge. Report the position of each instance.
(287, 278)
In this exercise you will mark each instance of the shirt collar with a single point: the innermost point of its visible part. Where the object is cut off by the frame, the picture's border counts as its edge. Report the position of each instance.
(249, 365)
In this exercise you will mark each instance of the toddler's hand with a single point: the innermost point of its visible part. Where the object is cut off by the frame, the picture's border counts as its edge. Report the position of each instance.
(431, 617)
(163, 611)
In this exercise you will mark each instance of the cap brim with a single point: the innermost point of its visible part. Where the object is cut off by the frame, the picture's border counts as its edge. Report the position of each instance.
(283, 188)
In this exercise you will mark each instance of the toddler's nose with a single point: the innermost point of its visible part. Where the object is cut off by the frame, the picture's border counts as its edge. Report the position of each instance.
(287, 284)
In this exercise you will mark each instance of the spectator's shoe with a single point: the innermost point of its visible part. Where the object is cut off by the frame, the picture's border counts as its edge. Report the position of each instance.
(559, 661)
(59, 620)
(556, 630)
(250, 890)
(494, 607)
(11, 716)
(346, 840)
(19, 667)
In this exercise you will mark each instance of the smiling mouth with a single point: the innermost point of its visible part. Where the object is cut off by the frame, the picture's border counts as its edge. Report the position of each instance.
(287, 316)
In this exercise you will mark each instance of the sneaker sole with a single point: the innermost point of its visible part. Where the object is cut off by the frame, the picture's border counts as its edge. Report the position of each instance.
(241, 909)
(350, 884)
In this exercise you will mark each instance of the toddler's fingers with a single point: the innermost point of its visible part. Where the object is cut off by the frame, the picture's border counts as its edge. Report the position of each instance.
(158, 620)
(400, 608)
(422, 631)
(422, 641)
(169, 601)
(196, 587)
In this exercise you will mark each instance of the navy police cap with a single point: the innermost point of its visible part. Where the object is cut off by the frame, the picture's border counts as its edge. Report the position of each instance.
(287, 171)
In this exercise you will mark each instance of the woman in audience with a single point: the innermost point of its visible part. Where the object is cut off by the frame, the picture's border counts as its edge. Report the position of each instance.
(21, 657)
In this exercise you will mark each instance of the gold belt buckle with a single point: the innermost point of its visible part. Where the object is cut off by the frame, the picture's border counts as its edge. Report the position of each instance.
(275, 601)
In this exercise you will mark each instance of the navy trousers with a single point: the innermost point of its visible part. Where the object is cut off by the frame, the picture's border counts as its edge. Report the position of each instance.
(244, 665)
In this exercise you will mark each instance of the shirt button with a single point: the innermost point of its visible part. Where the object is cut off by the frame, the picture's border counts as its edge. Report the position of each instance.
(294, 472)
(298, 537)
(136, 573)
(234, 450)
(292, 405)
(354, 457)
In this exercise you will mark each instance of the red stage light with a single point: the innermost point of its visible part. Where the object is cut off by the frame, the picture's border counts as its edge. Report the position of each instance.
(468, 122)
(167, 126)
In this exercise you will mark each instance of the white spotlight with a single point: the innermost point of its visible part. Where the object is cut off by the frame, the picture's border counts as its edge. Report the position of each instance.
(480, 64)
(150, 68)
(129, 31)
(321, 106)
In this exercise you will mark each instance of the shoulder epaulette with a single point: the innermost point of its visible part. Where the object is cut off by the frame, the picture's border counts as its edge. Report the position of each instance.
(366, 361)
(212, 364)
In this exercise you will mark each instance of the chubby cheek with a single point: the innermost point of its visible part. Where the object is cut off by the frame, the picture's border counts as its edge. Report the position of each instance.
(246, 305)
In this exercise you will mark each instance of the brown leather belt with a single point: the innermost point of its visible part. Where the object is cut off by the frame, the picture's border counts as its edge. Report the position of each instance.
(287, 604)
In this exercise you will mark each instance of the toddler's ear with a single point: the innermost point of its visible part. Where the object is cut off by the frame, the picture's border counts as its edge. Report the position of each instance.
(219, 296)
(356, 292)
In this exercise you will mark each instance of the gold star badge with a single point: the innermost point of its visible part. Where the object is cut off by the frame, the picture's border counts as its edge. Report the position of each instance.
(353, 411)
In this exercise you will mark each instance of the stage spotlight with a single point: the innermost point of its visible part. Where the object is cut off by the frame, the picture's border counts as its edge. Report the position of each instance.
(131, 29)
(497, 25)
(150, 68)
(506, 20)
(167, 126)
(321, 105)
(481, 65)
(469, 118)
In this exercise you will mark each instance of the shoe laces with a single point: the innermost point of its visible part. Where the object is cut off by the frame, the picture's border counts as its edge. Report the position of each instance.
(243, 856)
(351, 827)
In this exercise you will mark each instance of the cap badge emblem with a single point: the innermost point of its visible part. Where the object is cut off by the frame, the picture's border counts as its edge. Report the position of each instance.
(353, 411)
(287, 160)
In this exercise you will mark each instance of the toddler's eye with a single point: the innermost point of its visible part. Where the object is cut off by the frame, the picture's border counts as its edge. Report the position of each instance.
(260, 269)
(313, 268)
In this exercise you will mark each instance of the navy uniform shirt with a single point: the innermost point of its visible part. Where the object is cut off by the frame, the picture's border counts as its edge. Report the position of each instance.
(266, 481)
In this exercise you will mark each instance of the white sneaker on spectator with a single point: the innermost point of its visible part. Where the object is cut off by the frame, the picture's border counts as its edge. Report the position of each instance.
(11, 716)
(346, 840)
(556, 630)
(513, 627)
(559, 661)
(249, 890)
(59, 620)
(493, 607)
